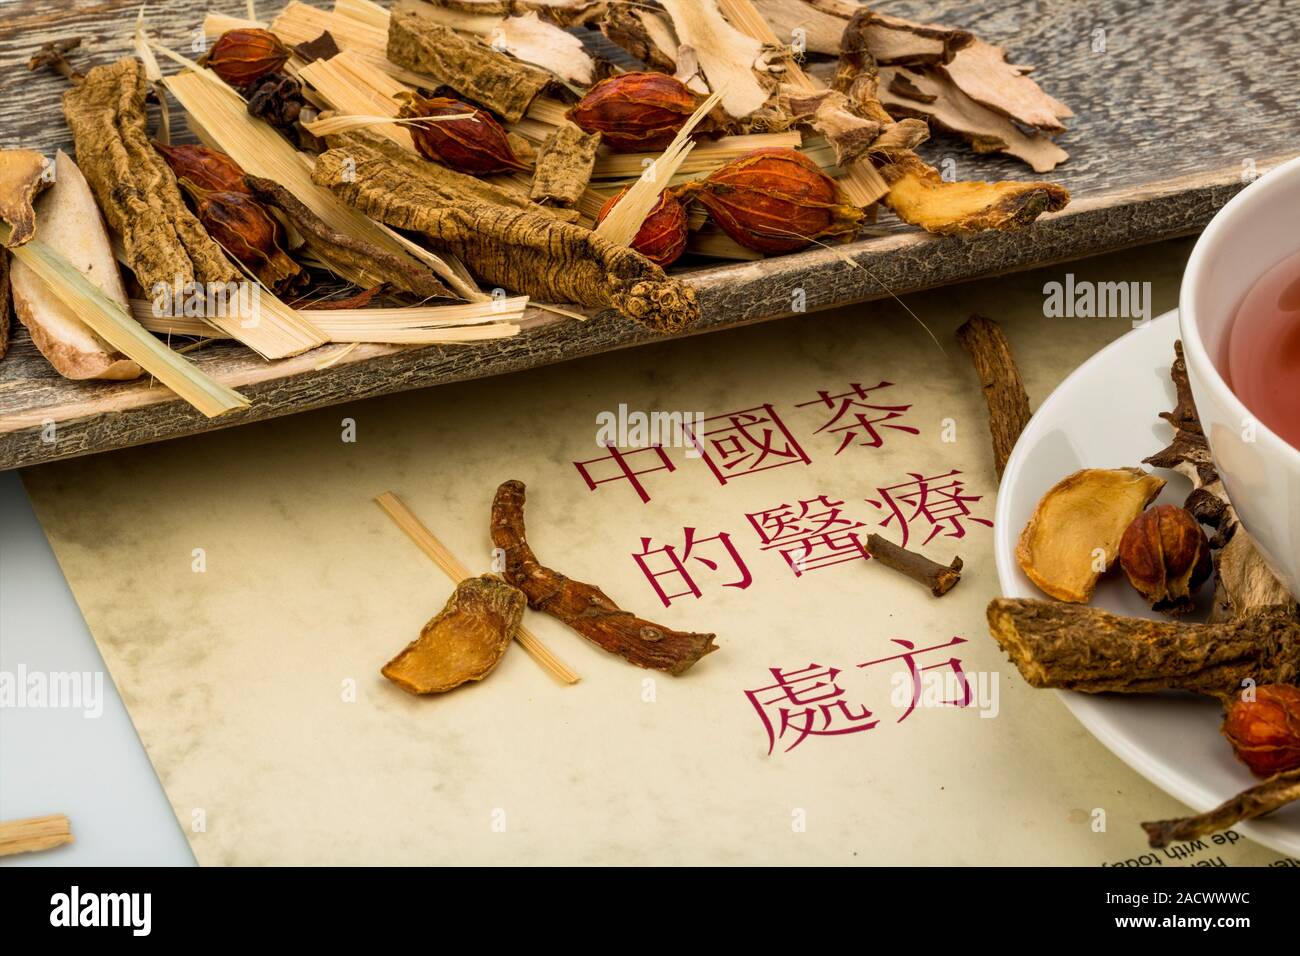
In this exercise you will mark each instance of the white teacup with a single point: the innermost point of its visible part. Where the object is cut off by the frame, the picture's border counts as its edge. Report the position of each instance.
(1254, 231)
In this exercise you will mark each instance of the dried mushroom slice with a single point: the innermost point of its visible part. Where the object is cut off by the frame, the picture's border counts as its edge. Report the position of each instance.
(22, 176)
(464, 642)
(1074, 534)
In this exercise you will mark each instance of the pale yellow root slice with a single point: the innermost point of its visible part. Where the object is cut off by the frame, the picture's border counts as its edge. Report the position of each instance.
(464, 642)
(69, 222)
(1074, 534)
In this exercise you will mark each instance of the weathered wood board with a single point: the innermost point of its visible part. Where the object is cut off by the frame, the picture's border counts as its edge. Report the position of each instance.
(1177, 106)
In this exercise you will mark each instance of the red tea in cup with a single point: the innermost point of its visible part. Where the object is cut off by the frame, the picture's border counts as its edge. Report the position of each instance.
(1263, 366)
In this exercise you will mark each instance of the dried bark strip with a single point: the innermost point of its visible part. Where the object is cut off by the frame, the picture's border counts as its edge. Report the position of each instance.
(564, 165)
(1258, 800)
(584, 607)
(136, 190)
(505, 86)
(529, 253)
(401, 273)
(1081, 648)
(939, 578)
(1004, 390)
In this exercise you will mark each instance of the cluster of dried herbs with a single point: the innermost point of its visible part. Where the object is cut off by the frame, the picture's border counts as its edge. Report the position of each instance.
(1247, 655)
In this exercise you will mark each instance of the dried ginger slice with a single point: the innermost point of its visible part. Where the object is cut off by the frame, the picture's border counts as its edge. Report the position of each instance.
(464, 642)
(919, 196)
(1081, 515)
(22, 177)
(136, 190)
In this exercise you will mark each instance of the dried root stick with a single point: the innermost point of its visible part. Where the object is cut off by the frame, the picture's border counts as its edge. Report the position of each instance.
(1081, 648)
(584, 607)
(1004, 391)
(1260, 799)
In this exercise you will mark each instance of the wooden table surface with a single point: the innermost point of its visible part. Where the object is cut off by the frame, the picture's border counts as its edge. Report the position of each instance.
(1177, 106)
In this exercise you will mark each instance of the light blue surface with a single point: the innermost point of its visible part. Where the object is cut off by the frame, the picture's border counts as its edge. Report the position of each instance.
(59, 759)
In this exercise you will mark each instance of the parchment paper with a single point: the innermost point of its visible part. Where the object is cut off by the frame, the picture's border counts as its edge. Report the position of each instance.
(254, 682)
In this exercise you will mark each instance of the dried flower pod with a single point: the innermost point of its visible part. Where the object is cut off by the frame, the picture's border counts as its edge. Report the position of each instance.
(477, 144)
(662, 237)
(277, 99)
(208, 169)
(635, 112)
(1265, 732)
(243, 56)
(775, 201)
(1166, 556)
(247, 231)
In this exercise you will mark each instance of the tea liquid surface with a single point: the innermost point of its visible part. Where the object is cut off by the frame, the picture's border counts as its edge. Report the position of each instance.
(1264, 350)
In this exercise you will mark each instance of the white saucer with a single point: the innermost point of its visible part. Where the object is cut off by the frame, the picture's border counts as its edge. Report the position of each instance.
(1104, 416)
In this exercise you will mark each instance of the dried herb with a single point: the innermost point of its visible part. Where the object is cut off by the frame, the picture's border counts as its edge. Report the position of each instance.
(529, 253)
(22, 176)
(1264, 730)
(248, 232)
(1075, 531)
(400, 272)
(505, 86)
(775, 201)
(564, 165)
(207, 168)
(54, 57)
(321, 48)
(1255, 802)
(466, 640)
(1075, 647)
(243, 56)
(475, 144)
(662, 236)
(1004, 391)
(939, 578)
(277, 99)
(635, 112)
(1166, 557)
(1243, 580)
(136, 190)
(584, 607)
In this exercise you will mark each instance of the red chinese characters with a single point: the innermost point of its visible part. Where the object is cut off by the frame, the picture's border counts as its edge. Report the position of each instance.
(938, 504)
(623, 468)
(667, 567)
(806, 703)
(746, 442)
(812, 534)
(855, 417)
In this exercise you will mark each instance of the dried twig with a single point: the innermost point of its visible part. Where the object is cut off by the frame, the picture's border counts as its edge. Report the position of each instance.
(939, 578)
(34, 833)
(1000, 379)
(54, 56)
(584, 607)
(1260, 799)
(451, 566)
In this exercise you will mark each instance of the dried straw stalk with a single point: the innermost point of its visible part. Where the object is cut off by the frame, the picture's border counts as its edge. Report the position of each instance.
(34, 833)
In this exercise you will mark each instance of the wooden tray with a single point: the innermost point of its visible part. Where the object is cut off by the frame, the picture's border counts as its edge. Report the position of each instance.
(1177, 106)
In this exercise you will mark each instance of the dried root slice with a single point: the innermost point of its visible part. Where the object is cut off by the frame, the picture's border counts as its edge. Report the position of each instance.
(981, 71)
(893, 40)
(464, 642)
(542, 43)
(529, 253)
(22, 177)
(1074, 647)
(729, 59)
(68, 221)
(930, 96)
(136, 190)
(399, 272)
(919, 196)
(648, 35)
(821, 31)
(504, 85)
(1260, 799)
(1082, 514)
(564, 166)
(584, 607)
